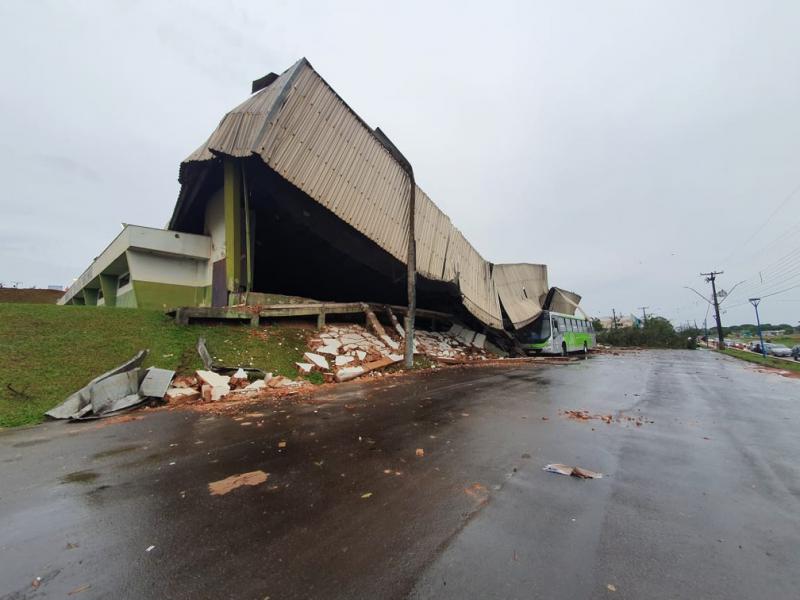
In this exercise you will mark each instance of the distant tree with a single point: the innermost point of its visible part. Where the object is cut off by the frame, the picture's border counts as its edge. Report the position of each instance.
(598, 325)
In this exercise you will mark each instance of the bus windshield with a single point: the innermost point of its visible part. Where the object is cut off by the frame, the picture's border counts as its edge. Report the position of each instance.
(538, 331)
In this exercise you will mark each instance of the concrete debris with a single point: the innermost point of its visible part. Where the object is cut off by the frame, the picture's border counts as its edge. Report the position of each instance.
(188, 394)
(304, 367)
(354, 346)
(258, 384)
(211, 378)
(328, 349)
(212, 393)
(348, 373)
(578, 472)
(318, 361)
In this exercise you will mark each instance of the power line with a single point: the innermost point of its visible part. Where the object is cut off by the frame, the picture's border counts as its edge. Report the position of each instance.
(764, 224)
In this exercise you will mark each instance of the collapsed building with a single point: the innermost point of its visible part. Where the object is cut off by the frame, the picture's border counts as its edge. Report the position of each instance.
(294, 194)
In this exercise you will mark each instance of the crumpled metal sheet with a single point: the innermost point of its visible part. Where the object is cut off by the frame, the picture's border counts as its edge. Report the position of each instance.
(117, 390)
(78, 401)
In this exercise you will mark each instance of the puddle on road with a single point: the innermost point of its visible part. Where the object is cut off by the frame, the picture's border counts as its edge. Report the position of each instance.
(114, 452)
(79, 477)
(27, 443)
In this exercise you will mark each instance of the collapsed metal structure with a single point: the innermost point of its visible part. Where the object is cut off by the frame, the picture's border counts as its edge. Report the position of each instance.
(316, 204)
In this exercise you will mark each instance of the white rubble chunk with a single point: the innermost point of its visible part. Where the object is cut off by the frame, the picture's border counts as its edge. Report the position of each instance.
(466, 336)
(317, 360)
(479, 341)
(219, 391)
(258, 384)
(347, 373)
(361, 355)
(329, 349)
(176, 393)
(343, 360)
(400, 330)
(212, 379)
(240, 374)
(305, 367)
(390, 342)
(395, 357)
(455, 330)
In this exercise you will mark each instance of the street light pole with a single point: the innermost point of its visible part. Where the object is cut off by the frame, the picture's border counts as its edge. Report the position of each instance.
(754, 302)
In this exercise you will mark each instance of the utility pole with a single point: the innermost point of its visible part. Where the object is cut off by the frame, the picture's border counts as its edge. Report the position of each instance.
(712, 278)
(754, 302)
(705, 326)
(614, 319)
(411, 258)
(644, 314)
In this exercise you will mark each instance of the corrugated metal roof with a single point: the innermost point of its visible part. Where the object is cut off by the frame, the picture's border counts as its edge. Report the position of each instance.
(564, 301)
(303, 130)
(522, 289)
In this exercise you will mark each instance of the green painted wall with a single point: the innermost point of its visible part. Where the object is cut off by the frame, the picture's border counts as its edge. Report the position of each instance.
(89, 296)
(232, 197)
(108, 283)
(166, 295)
(126, 300)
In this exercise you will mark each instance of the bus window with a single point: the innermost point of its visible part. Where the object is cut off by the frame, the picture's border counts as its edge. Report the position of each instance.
(583, 325)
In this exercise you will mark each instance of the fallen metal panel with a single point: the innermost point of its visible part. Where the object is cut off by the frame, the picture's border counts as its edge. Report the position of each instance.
(105, 392)
(78, 400)
(156, 382)
(522, 289)
(563, 301)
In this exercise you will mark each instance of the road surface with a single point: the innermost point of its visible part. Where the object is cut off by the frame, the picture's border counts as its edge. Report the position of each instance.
(702, 500)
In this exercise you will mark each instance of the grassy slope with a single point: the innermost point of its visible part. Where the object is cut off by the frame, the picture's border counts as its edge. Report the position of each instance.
(29, 296)
(47, 352)
(767, 362)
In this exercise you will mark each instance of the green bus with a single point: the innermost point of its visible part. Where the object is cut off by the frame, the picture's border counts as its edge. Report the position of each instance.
(557, 333)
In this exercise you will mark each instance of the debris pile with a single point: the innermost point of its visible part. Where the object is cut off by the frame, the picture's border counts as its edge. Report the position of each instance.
(584, 415)
(211, 386)
(345, 352)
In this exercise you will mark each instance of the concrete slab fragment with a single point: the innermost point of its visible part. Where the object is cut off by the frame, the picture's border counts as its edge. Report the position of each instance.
(318, 361)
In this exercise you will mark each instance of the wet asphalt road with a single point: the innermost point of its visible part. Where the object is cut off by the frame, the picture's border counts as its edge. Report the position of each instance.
(702, 503)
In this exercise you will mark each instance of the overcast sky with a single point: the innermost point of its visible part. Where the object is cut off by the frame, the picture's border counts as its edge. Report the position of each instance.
(628, 145)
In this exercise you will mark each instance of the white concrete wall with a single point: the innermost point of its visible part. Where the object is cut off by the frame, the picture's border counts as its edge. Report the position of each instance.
(172, 245)
(175, 270)
(215, 225)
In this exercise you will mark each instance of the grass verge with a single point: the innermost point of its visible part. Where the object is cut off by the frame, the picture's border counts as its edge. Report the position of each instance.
(769, 361)
(48, 352)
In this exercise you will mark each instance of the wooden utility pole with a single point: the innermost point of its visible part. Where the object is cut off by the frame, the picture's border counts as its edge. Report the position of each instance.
(644, 314)
(613, 319)
(712, 278)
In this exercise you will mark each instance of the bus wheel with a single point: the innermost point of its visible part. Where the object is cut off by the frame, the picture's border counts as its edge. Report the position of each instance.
(563, 348)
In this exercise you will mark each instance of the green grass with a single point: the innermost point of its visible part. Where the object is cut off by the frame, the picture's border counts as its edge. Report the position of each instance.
(767, 362)
(48, 352)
